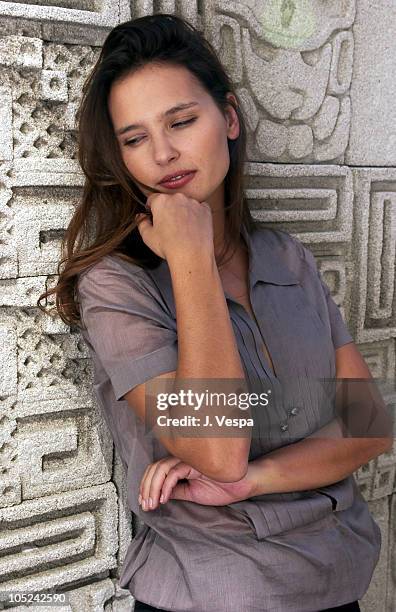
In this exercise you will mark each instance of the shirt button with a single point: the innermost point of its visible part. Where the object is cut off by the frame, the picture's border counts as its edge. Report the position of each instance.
(284, 427)
(294, 410)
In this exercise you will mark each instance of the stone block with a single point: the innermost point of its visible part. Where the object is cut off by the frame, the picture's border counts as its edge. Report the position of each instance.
(58, 540)
(374, 242)
(372, 140)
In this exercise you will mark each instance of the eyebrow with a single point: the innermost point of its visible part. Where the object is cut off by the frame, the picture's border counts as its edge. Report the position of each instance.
(167, 113)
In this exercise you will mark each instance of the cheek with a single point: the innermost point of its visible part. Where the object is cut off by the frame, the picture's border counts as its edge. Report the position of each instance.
(216, 147)
(136, 175)
(134, 169)
(218, 154)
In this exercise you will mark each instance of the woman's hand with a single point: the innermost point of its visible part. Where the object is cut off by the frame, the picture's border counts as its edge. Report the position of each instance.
(161, 482)
(180, 225)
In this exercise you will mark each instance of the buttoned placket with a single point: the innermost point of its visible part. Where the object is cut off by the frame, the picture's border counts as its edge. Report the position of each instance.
(292, 412)
(256, 332)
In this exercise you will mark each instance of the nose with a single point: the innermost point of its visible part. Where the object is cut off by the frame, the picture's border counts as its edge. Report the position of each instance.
(164, 152)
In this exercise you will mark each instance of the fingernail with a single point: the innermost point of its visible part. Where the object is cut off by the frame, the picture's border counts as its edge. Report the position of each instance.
(144, 504)
(162, 499)
(140, 499)
(150, 502)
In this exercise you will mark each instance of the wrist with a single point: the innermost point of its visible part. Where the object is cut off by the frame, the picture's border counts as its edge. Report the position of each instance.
(191, 258)
(259, 477)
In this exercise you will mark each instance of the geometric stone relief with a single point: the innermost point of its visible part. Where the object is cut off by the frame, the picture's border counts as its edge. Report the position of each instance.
(98, 594)
(377, 479)
(88, 21)
(66, 447)
(8, 255)
(45, 361)
(380, 357)
(41, 85)
(53, 438)
(38, 199)
(58, 539)
(374, 311)
(292, 64)
(314, 203)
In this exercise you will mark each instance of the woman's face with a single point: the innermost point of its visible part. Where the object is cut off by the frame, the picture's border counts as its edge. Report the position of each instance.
(193, 138)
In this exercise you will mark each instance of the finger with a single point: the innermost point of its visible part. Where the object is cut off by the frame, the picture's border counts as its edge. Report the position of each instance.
(157, 480)
(170, 482)
(146, 471)
(142, 482)
(163, 465)
(146, 483)
(174, 475)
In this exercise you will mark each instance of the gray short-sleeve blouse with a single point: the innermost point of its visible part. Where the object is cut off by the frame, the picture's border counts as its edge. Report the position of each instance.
(302, 551)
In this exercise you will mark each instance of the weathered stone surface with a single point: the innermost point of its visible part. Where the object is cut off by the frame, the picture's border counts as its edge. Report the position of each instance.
(374, 241)
(79, 538)
(373, 127)
(293, 61)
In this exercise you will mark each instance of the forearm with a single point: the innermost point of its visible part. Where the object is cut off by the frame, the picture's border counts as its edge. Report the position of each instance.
(207, 349)
(318, 460)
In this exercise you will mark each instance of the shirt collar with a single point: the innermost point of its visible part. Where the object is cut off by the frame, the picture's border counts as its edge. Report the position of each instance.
(266, 263)
(265, 258)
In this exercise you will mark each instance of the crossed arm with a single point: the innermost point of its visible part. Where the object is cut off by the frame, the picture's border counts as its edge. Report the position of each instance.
(322, 458)
(328, 456)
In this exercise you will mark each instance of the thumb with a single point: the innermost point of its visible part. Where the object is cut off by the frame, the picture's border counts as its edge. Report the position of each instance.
(180, 491)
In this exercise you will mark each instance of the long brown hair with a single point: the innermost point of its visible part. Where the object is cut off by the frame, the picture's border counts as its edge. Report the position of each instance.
(104, 220)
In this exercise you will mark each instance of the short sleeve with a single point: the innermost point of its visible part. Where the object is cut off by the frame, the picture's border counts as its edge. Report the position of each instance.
(339, 330)
(131, 333)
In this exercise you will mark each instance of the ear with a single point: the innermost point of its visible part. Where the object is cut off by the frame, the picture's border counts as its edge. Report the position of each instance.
(232, 118)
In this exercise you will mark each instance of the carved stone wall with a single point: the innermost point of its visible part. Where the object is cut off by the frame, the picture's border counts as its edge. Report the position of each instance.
(316, 79)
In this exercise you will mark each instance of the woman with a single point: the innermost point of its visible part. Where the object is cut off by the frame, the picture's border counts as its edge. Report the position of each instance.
(246, 521)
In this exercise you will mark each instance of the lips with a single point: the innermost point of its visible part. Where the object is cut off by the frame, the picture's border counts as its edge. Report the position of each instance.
(179, 183)
(169, 177)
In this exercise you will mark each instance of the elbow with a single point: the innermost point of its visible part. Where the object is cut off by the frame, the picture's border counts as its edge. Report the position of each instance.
(226, 474)
(228, 471)
(230, 464)
(381, 446)
(232, 476)
(388, 445)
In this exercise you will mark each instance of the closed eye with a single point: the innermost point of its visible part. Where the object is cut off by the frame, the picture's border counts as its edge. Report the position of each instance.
(134, 141)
